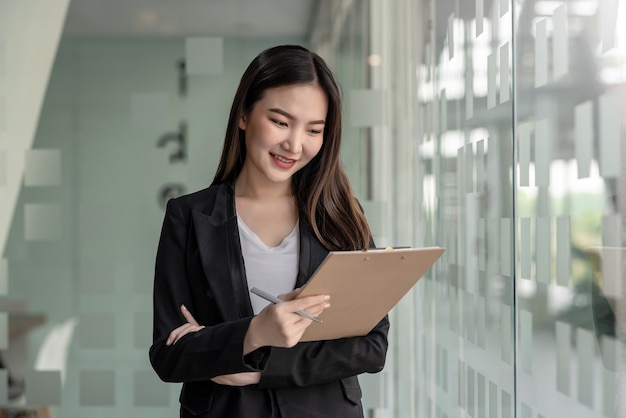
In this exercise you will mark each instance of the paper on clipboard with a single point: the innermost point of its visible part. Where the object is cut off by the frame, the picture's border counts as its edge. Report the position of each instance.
(364, 286)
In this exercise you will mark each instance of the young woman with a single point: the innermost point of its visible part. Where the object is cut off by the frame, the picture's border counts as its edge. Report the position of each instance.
(280, 200)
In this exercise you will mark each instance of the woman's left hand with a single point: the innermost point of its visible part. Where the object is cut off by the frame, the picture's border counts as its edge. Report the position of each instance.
(191, 326)
(238, 379)
(235, 379)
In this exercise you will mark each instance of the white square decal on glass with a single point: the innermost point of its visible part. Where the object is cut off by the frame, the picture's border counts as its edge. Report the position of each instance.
(43, 167)
(204, 55)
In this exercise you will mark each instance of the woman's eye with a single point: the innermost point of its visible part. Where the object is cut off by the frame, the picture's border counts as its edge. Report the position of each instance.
(279, 123)
(314, 131)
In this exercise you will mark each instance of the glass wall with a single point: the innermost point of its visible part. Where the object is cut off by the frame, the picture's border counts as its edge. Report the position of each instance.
(521, 134)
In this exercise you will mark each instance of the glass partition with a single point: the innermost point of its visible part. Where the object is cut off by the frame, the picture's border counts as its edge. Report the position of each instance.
(521, 137)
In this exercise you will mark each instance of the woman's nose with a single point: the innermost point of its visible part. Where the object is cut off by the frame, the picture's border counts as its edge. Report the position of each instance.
(293, 144)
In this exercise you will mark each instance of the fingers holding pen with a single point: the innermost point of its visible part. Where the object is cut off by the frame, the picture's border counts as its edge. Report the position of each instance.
(280, 325)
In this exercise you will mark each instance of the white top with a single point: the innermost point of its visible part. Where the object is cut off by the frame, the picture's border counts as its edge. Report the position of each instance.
(273, 269)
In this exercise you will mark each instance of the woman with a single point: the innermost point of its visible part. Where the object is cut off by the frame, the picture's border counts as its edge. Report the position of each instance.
(280, 200)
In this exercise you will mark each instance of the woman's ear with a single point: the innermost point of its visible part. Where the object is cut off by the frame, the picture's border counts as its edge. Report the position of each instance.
(242, 122)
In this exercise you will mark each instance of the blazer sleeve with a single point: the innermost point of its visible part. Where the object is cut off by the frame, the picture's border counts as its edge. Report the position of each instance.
(320, 362)
(215, 350)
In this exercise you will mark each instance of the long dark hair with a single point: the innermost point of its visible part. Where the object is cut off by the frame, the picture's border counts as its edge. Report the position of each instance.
(321, 188)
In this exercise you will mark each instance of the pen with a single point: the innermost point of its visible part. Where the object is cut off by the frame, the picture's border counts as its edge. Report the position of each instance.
(274, 299)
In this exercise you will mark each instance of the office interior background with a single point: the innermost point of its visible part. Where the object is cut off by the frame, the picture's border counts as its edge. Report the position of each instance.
(494, 128)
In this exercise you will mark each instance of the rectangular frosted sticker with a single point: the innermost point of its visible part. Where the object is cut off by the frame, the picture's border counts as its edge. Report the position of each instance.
(482, 251)
(471, 392)
(469, 89)
(505, 247)
(43, 167)
(472, 204)
(96, 388)
(523, 146)
(443, 112)
(560, 47)
(507, 405)
(525, 248)
(493, 163)
(609, 390)
(610, 355)
(4, 331)
(469, 168)
(506, 336)
(469, 313)
(542, 152)
(96, 330)
(611, 227)
(460, 171)
(480, 166)
(461, 384)
(612, 271)
(527, 412)
(480, 322)
(454, 309)
(493, 235)
(563, 251)
(505, 84)
(611, 352)
(504, 7)
(462, 321)
(608, 23)
(451, 36)
(491, 81)
(610, 143)
(542, 250)
(366, 107)
(583, 132)
(563, 355)
(526, 341)
(493, 400)
(4, 276)
(204, 55)
(585, 343)
(43, 387)
(541, 53)
(481, 404)
(480, 15)
(42, 222)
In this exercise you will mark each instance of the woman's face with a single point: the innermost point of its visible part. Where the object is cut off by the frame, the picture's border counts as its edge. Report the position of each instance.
(284, 131)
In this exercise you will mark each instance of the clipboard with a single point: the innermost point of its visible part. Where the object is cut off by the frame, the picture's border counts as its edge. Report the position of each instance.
(363, 287)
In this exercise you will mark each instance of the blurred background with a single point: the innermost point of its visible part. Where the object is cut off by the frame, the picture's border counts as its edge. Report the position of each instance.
(494, 128)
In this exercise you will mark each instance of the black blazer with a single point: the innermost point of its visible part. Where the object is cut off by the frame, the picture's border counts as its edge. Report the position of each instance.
(200, 264)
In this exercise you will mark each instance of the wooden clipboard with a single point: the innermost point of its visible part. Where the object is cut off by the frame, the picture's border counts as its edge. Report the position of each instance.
(364, 286)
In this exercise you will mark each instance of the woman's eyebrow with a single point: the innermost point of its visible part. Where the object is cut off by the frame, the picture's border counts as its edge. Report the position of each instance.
(291, 117)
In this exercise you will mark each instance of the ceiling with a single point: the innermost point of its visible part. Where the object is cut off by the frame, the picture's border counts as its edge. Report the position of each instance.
(176, 18)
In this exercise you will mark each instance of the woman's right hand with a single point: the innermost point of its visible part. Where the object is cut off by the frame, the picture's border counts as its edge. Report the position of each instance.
(279, 325)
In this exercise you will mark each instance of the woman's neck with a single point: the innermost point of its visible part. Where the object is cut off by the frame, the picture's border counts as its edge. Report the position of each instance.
(256, 188)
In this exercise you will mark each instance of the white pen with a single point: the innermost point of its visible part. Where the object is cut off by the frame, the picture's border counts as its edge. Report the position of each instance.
(274, 299)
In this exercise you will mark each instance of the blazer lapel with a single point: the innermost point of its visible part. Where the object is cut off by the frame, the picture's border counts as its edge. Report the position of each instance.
(220, 252)
(312, 253)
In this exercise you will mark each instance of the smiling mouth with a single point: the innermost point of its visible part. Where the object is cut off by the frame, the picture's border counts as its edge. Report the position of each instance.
(282, 159)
